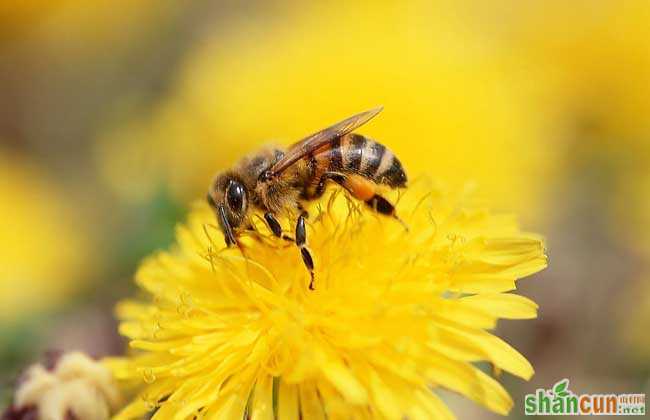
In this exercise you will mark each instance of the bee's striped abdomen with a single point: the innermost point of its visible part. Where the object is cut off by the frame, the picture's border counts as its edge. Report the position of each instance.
(372, 160)
(354, 154)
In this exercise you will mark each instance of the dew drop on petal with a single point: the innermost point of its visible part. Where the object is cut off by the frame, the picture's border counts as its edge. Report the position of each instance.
(150, 403)
(185, 298)
(148, 376)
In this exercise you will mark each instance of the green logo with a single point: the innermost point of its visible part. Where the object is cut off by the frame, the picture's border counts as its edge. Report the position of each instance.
(560, 400)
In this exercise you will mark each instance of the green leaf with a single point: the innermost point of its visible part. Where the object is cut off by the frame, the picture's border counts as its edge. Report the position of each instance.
(560, 388)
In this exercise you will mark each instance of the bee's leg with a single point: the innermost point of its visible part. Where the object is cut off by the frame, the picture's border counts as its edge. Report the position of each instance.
(322, 183)
(275, 227)
(365, 190)
(320, 188)
(301, 241)
(383, 206)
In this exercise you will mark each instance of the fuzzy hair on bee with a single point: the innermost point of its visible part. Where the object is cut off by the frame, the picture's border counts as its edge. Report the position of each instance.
(279, 182)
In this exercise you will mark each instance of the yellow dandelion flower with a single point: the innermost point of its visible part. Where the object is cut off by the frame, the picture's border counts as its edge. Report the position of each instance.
(395, 316)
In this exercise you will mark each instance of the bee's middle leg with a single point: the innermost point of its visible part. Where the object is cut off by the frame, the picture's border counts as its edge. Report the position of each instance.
(301, 241)
(322, 183)
(275, 227)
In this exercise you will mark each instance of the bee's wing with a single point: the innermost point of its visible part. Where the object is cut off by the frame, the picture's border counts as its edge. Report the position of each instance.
(318, 140)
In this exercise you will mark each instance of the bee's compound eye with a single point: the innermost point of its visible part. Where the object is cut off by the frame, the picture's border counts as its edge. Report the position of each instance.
(236, 196)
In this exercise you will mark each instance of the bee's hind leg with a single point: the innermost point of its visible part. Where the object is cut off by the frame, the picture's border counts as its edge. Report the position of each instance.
(301, 241)
(381, 205)
(365, 190)
(385, 207)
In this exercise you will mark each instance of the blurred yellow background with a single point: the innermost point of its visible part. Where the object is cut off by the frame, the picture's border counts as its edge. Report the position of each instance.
(115, 115)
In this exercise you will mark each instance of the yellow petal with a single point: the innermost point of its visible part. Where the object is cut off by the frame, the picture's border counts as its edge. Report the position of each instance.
(310, 404)
(231, 407)
(466, 379)
(288, 402)
(435, 406)
(134, 410)
(345, 382)
(494, 350)
(262, 405)
(383, 397)
(502, 305)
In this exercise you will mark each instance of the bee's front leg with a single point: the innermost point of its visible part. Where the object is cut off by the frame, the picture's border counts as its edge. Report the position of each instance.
(301, 241)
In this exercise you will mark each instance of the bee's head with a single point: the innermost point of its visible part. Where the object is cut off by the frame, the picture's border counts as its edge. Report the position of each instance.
(228, 198)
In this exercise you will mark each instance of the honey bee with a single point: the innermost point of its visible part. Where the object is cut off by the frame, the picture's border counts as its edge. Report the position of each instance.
(275, 181)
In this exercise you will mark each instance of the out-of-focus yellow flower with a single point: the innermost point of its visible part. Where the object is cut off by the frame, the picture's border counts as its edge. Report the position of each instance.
(41, 247)
(594, 56)
(395, 315)
(450, 106)
(595, 61)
